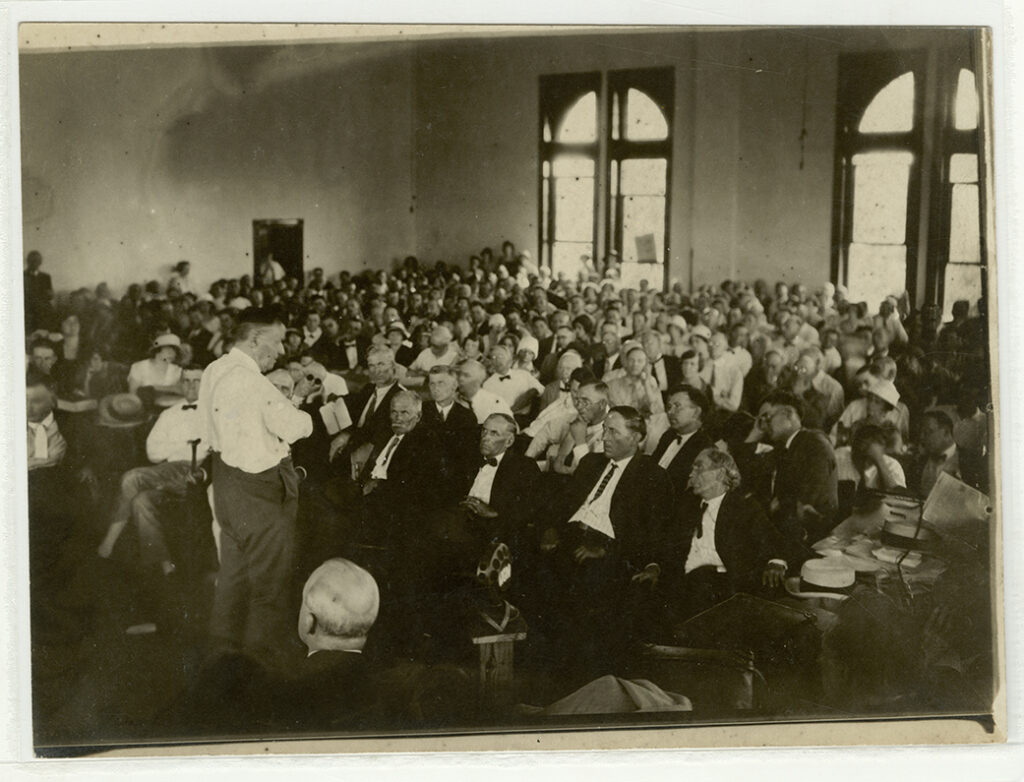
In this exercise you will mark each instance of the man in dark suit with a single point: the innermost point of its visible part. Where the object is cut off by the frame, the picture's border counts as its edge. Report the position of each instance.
(501, 491)
(370, 407)
(609, 357)
(454, 427)
(804, 497)
(678, 447)
(665, 369)
(603, 550)
(723, 544)
(38, 294)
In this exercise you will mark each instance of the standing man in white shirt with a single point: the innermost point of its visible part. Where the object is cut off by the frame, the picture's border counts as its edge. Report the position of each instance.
(249, 427)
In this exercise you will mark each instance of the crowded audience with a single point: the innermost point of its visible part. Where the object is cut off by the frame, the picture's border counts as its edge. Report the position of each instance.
(353, 446)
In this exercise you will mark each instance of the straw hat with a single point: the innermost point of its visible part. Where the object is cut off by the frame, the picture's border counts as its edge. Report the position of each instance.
(120, 411)
(830, 577)
(886, 391)
(166, 341)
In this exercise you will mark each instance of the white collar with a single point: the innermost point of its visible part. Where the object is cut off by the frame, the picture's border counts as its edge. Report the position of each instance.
(622, 464)
(46, 422)
(714, 504)
(497, 458)
(789, 442)
(948, 453)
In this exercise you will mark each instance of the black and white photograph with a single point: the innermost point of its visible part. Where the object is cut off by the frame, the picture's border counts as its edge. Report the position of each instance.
(407, 382)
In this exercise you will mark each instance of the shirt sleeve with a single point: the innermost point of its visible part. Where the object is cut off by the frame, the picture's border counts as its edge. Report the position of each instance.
(284, 420)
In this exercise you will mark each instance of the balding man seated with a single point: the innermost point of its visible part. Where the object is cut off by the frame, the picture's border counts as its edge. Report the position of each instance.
(471, 375)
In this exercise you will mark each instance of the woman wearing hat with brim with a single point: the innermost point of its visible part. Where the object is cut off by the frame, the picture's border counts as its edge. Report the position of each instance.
(160, 371)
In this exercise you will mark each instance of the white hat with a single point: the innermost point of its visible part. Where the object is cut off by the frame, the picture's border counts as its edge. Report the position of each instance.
(166, 341)
(885, 390)
(530, 343)
(702, 331)
(679, 322)
(829, 577)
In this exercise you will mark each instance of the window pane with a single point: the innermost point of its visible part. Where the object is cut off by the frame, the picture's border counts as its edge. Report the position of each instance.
(964, 239)
(580, 122)
(643, 217)
(965, 108)
(963, 168)
(643, 177)
(963, 281)
(565, 257)
(574, 209)
(876, 271)
(880, 182)
(892, 109)
(644, 120)
(573, 166)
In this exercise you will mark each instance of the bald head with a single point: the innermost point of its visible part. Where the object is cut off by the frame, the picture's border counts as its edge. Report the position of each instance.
(471, 375)
(339, 606)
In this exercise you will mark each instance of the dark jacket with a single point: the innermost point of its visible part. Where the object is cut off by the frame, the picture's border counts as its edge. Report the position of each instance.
(378, 422)
(805, 474)
(414, 472)
(744, 539)
(640, 507)
(515, 493)
(679, 468)
(458, 438)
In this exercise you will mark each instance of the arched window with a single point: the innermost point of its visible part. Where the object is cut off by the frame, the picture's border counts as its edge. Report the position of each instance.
(639, 160)
(963, 275)
(569, 157)
(631, 193)
(890, 156)
(880, 143)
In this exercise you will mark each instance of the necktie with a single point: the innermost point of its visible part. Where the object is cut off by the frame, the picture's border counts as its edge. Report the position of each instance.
(604, 481)
(386, 456)
(700, 524)
(189, 407)
(370, 409)
(679, 439)
(443, 411)
(40, 448)
(492, 462)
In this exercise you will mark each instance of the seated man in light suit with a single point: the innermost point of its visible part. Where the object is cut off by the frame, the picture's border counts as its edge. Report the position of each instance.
(724, 543)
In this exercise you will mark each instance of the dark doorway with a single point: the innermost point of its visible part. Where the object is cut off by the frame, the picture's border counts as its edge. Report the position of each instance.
(281, 241)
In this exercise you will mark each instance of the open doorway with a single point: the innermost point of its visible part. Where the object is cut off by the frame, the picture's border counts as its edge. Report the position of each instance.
(279, 241)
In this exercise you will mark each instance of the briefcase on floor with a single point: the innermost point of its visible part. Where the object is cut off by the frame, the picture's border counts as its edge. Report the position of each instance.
(776, 634)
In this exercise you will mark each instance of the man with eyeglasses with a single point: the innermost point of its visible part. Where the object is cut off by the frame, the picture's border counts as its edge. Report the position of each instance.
(586, 433)
(724, 544)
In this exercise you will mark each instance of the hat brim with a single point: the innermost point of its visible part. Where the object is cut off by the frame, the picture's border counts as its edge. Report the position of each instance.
(792, 585)
(112, 423)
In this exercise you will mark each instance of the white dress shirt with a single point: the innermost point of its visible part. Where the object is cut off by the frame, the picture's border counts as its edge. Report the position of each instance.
(562, 407)
(485, 402)
(443, 411)
(309, 338)
(380, 467)
(169, 438)
(245, 418)
(595, 512)
(674, 448)
(594, 443)
(742, 359)
(512, 385)
(726, 382)
(484, 481)
(658, 368)
(46, 445)
(702, 550)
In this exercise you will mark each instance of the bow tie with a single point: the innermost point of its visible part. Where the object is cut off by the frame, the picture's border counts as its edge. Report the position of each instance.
(564, 389)
(349, 344)
(700, 524)
(492, 462)
(189, 407)
(504, 377)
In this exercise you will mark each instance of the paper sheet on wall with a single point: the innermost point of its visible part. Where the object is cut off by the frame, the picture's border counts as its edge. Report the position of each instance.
(952, 503)
(646, 249)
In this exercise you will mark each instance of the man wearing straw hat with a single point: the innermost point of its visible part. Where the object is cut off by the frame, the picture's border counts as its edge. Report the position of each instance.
(249, 427)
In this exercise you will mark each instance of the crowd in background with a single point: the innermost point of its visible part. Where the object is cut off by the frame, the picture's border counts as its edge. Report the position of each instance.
(880, 397)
